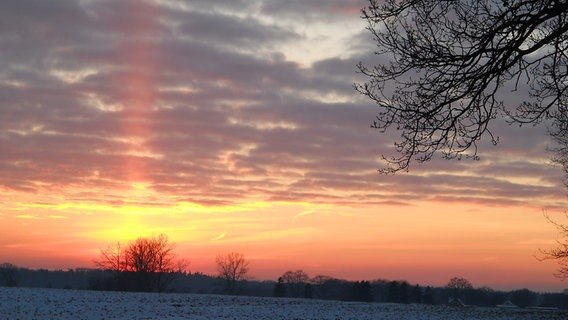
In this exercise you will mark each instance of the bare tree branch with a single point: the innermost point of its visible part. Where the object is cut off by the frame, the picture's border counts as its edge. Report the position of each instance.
(450, 60)
(150, 260)
(232, 267)
(560, 251)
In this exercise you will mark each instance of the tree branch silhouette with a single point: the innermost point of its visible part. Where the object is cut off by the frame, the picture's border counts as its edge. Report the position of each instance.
(450, 60)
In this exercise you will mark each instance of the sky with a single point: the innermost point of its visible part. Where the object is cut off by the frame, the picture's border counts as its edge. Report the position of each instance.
(233, 125)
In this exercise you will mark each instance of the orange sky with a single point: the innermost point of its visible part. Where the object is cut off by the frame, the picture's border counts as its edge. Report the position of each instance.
(236, 128)
(425, 243)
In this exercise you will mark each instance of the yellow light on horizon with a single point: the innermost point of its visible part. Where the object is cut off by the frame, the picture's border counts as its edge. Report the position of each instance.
(139, 185)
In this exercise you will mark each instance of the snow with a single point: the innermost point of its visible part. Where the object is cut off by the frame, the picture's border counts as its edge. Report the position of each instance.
(27, 303)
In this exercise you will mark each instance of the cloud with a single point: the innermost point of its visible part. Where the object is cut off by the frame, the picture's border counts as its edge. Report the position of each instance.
(304, 213)
(219, 237)
(231, 31)
(198, 101)
(27, 217)
(313, 8)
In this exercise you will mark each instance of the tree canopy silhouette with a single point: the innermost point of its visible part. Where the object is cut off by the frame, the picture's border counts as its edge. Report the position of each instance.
(295, 282)
(448, 64)
(232, 267)
(150, 261)
(456, 283)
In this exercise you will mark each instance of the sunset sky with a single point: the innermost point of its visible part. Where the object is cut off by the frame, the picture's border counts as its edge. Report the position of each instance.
(233, 125)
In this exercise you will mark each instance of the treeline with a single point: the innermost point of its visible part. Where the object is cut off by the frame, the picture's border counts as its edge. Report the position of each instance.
(102, 280)
(292, 284)
(299, 284)
(149, 264)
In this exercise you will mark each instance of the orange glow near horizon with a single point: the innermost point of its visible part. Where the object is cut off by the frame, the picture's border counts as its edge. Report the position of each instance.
(251, 141)
(427, 243)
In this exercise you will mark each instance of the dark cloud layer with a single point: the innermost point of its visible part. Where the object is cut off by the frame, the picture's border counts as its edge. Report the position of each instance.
(225, 30)
(313, 8)
(198, 102)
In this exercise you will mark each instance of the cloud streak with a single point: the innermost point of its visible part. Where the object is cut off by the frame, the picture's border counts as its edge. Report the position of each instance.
(219, 237)
(304, 213)
(200, 103)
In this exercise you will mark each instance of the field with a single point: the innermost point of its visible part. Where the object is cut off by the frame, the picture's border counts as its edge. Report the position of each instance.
(24, 303)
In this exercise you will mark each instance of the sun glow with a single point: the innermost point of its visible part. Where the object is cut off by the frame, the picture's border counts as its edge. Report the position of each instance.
(130, 229)
(288, 235)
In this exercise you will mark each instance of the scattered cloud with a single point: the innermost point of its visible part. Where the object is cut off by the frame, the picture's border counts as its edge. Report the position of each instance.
(219, 237)
(304, 213)
(57, 217)
(201, 103)
(28, 217)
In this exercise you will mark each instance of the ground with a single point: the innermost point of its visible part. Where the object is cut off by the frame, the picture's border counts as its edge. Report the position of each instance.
(45, 304)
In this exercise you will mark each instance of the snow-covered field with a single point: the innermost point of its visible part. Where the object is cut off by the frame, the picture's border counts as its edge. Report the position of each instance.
(45, 304)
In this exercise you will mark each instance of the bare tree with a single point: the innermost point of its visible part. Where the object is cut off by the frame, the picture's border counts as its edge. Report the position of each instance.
(448, 62)
(150, 260)
(448, 65)
(279, 288)
(232, 267)
(141, 257)
(112, 258)
(167, 265)
(560, 252)
(559, 150)
(295, 281)
(10, 274)
(321, 283)
(320, 279)
(459, 284)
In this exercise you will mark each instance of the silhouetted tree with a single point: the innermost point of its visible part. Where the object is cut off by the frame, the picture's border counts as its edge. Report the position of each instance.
(321, 284)
(10, 275)
(560, 252)
(295, 282)
(559, 150)
(153, 261)
(483, 296)
(361, 291)
(112, 258)
(428, 296)
(308, 291)
(279, 288)
(403, 292)
(459, 284)
(416, 294)
(555, 300)
(523, 298)
(320, 279)
(146, 264)
(449, 62)
(447, 65)
(393, 294)
(458, 287)
(232, 267)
